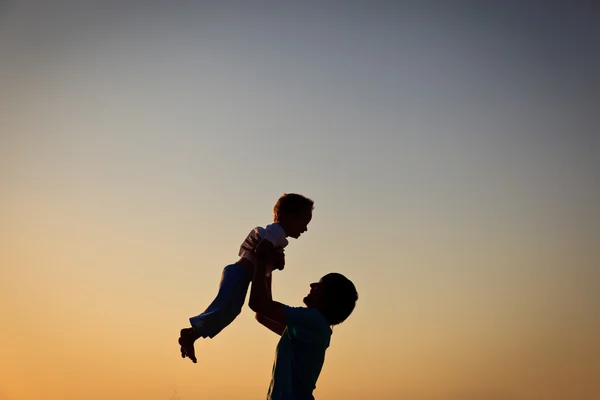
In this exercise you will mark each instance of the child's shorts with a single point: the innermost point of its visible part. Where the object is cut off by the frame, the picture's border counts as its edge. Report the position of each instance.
(228, 303)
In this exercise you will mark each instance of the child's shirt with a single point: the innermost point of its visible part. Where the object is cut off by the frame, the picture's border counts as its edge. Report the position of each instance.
(274, 233)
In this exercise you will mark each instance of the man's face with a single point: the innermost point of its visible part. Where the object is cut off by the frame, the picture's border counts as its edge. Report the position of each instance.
(314, 297)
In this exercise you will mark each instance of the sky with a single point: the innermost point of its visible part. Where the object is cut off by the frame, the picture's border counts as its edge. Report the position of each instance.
(453, 155)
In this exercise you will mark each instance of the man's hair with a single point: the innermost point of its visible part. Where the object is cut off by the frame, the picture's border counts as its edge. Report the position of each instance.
(291, 204)
(340, 298)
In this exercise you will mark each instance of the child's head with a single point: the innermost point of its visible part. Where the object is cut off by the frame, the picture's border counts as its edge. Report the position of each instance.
(293, 212)
(334, 295)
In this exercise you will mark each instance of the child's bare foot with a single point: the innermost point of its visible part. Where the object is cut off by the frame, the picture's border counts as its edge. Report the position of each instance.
(186, 341)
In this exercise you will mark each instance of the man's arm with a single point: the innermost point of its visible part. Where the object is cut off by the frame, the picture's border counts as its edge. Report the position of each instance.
(272, 325)
(260, 293)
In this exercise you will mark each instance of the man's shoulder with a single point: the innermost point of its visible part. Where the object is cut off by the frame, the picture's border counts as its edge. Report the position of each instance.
(305, 314)
(307, 325)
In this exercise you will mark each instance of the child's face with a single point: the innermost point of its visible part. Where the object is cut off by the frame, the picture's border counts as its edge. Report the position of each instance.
(298, 224)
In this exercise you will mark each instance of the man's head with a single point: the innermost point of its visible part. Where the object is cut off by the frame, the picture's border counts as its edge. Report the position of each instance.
(334, 295)
(293, 212)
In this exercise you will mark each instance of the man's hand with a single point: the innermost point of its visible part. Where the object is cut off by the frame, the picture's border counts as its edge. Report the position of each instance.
(269, 255)
(266, 253)
(279, 259)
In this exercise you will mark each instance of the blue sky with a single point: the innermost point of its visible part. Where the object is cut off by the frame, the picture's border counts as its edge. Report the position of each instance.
(453, 155)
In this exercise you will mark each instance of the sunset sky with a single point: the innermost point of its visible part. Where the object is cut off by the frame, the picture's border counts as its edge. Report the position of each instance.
(453, 155)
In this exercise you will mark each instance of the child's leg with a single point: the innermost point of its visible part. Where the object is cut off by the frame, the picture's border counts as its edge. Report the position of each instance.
(227, 305)
(221, 312)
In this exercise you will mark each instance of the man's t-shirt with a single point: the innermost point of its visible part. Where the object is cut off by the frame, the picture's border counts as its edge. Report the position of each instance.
(300, 354)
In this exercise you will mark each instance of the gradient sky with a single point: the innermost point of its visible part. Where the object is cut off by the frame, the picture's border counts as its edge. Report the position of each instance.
(453, 155)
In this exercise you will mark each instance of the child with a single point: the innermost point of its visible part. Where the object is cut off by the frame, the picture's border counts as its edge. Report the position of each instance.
(291, 215)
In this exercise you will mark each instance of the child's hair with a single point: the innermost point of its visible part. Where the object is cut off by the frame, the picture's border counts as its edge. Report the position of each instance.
(340, 298)
(291, 204)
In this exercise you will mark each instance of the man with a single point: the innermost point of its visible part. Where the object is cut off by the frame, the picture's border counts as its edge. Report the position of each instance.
(305, 331)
